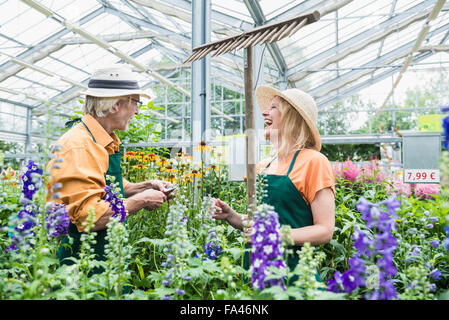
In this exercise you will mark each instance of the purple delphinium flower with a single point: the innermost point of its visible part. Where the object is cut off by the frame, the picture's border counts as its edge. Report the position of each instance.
(266, 247)
(435, 243)
(446, 131)
(22, 228)
(31, 180)
(112, 196)
(212, 250)
(435, 274)
(377, 251)
(57, 219)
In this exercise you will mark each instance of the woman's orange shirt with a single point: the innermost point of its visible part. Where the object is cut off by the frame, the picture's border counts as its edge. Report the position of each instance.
(311, 172)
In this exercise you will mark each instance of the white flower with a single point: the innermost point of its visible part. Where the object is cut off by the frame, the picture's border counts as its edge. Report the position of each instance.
(259, 238)
(268, 249)
(261, 228)
(257, 263)
(272, 236)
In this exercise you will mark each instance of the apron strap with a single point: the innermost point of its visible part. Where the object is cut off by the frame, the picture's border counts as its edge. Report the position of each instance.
(293, 162)
(89, 131)
(70, 124)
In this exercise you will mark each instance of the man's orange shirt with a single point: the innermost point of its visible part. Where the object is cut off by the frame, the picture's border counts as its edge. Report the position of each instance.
(83, 169)
(311, 172)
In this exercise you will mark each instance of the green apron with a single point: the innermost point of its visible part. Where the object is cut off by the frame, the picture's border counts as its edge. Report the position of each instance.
(64, 251)
(291, 208)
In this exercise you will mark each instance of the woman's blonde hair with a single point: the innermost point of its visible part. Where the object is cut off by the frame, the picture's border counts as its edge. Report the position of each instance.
(101, 107)
(295, 132)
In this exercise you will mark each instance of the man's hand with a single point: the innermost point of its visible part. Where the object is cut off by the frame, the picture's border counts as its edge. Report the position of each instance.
(148, 199)
(161, 185)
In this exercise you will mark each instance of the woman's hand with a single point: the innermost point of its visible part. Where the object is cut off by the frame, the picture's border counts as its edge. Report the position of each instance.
(247, 227)
(222, 210)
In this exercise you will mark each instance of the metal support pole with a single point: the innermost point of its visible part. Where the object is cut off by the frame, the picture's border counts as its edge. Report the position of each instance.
(259, 71)
(250, 132)
(200, 77)
(28, 135)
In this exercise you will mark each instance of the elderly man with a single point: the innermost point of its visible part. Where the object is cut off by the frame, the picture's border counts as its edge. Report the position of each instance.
(90, 151)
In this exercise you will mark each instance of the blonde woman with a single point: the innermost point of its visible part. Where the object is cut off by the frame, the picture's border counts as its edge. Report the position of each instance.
(299, 179)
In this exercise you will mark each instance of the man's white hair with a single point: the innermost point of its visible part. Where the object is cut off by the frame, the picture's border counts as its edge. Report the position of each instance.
(101, 107)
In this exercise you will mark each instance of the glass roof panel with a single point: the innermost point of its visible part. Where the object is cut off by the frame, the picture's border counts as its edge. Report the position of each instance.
(272, 9)
(233, 8)
(69, 9)
(28, 26)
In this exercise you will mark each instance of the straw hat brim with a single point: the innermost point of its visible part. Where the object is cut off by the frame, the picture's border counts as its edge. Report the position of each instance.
(264, 96)
(106, 93)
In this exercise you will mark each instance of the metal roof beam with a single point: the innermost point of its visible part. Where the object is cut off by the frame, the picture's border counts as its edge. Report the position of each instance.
(184, 42)
(259, 18)
(358, 42)
(352, 76)
(323, 6)
(182, 10)
(36, 53)
(345, 92)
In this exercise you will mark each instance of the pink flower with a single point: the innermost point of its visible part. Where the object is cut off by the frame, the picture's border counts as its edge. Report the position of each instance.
(425, 191)
(350, 171)
(400, 188)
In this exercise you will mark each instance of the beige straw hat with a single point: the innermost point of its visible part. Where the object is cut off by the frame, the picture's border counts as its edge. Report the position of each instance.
(301, 101)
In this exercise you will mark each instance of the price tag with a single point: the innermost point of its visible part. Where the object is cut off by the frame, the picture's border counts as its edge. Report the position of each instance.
(421, 176)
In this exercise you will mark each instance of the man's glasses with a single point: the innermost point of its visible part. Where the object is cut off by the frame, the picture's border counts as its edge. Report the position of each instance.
(139, 103)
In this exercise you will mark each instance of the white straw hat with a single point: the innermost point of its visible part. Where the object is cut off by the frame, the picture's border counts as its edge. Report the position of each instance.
(301, 101)
(115, 81)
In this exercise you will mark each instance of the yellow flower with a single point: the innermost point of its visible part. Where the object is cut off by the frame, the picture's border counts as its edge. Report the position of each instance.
(169, 169)
(172, 178)
(202, 146)
(196, 174)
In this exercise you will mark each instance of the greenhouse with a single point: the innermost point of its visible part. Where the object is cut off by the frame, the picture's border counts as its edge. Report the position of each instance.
(224, 150)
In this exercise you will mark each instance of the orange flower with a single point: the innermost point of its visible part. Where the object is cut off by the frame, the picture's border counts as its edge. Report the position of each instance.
(172, 178)
(151, 157)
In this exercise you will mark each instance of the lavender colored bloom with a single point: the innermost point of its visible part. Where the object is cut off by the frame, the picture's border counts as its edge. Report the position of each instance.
(57, 220)
(444, 108)
(117, 206)
(372, 252)
(266, 247)
(212, 250)
(180, 292)
(435, 274)
(31, 180)
(385, 291)
(362, 243)
(446, 131)
(22, 229)
(435, 243)
(336, 284)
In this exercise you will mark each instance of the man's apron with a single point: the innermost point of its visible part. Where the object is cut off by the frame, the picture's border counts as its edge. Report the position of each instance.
(114, 170)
